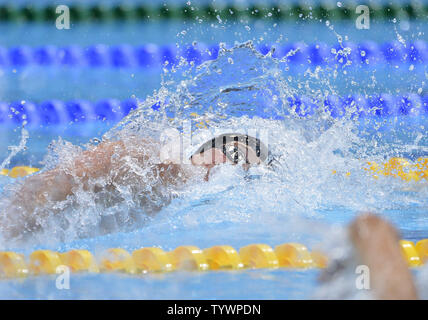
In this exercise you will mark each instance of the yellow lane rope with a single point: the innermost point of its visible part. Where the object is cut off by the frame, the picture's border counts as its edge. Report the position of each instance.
(18, 172)
(191, 258)
(394, 167)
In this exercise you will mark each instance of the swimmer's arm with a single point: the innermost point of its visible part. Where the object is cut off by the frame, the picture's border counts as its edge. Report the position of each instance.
(57, 184)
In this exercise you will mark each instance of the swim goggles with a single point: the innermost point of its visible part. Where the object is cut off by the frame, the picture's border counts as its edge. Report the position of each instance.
(238, 148)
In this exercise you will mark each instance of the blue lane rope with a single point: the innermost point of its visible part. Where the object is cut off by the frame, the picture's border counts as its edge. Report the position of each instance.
(150, 55)
(53, 112)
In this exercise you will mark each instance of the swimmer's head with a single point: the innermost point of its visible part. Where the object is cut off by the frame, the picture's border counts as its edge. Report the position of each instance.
(231, 148)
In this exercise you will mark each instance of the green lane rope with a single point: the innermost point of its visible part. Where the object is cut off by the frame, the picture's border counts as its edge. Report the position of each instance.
(143, 12)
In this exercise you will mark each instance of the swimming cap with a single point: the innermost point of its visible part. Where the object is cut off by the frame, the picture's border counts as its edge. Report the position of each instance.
(235, 147)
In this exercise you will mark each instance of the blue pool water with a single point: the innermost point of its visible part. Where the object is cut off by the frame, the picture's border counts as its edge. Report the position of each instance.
(301, 201)
(38, 84)
(205, 218)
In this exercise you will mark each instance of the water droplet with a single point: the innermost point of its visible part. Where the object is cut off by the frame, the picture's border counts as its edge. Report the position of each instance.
(405, 25)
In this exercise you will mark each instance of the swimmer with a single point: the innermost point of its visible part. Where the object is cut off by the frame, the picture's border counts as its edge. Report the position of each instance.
(130, 165)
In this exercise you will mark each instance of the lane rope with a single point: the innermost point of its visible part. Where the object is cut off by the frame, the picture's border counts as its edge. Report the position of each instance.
(364, 54)
(396, 167)
(291, 256)
(274, 11)
(53, 112)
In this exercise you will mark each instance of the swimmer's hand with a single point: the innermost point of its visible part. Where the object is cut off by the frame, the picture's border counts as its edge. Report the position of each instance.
(377, 244)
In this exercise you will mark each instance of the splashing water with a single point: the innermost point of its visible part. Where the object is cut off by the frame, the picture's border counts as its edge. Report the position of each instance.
(241, 91)
(14, 150)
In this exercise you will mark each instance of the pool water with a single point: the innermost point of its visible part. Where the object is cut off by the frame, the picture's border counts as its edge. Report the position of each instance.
(300, 201)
